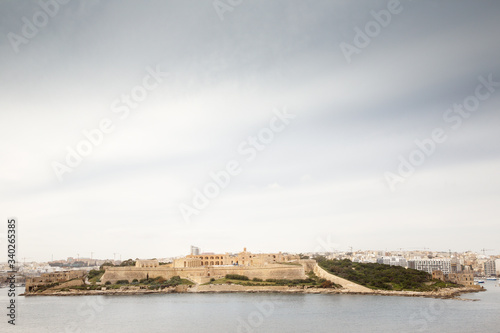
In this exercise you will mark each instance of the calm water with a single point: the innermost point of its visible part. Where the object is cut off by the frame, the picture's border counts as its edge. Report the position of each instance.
(255, 313)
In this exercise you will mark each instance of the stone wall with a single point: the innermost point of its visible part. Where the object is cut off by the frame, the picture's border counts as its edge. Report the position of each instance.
(308, 264)
(277, 271)
(113, 274)
(48, 278)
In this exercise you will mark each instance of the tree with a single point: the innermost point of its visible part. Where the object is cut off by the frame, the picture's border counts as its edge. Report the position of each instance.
(128, 262)
(107, 263)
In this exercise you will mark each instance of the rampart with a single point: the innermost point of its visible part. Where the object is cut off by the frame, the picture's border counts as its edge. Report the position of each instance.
(272, 271)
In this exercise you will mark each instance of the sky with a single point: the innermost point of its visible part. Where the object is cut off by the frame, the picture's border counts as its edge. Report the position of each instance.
(327, 124)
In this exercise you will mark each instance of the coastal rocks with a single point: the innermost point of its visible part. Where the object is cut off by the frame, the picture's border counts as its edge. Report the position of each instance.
(447, 293)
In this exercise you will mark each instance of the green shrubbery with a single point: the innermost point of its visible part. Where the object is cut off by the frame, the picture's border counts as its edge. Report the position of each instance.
(87, 287)
(311, 281)
(47, 286)
(128, 262)
(159, 282)
(379, 276)
(105, 264)
(237, 277)
(286, 282)
(95, 273)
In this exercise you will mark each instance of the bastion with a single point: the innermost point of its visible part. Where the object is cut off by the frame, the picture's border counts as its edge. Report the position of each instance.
(204, 274)
(200, 268)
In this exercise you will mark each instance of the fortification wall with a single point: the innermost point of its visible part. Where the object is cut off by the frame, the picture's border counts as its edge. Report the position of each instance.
(273, 271)
(308, 264)
(114, 274)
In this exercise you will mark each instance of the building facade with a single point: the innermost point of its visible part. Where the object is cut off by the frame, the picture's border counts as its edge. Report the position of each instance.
(490, 268)
(465, 278)
(393, 261)
(48, 278)
(147, 263)
(243, 258)
(430, 265)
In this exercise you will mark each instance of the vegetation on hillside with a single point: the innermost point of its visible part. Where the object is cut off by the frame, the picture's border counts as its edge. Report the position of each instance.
(311, 281)
(152, 283)
(106, 264)
(44, 287)
(95, 275)
(237, 277)
(128, 262)
(380, 276)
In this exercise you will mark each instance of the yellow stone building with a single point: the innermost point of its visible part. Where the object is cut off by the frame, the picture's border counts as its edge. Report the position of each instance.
(243, 258)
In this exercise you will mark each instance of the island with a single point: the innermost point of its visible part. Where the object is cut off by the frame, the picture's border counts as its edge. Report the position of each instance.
(250, 272)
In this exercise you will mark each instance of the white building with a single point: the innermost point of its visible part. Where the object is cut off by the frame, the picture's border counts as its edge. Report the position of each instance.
(430, 265)
(393, 261)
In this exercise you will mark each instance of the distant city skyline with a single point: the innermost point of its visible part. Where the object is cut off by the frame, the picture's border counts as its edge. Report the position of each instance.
(120, 257)
(141, 129)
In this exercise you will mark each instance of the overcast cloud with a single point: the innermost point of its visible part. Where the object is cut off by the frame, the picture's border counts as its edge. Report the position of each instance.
(323, 174)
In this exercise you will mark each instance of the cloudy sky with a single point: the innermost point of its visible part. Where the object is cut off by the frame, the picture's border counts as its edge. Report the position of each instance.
(182, 89)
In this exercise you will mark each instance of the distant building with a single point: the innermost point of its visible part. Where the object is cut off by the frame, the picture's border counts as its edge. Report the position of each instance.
(147, 263)
(490, 268)
(33, 283)
(195, 251)
(393, 261)
(438, 275)
(456, 267)
(244, 258)
(465, 278)
(430, 265)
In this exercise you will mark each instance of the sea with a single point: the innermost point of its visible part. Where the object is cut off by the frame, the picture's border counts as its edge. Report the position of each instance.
(254, 312)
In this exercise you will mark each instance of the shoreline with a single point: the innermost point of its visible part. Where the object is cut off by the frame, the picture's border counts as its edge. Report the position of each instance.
(447, 293)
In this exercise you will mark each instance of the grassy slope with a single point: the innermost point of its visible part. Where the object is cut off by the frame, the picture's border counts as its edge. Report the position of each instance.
(311, 281)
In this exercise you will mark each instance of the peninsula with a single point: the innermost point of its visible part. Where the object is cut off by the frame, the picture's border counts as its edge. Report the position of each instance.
(250, 272)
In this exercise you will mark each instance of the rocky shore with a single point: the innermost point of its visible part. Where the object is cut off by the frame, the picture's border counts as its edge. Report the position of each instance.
(446, 293)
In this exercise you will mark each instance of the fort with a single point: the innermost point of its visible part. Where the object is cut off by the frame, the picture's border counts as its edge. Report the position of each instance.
(57, 277)
(465, 278)
(200, 268)
(197, 270)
